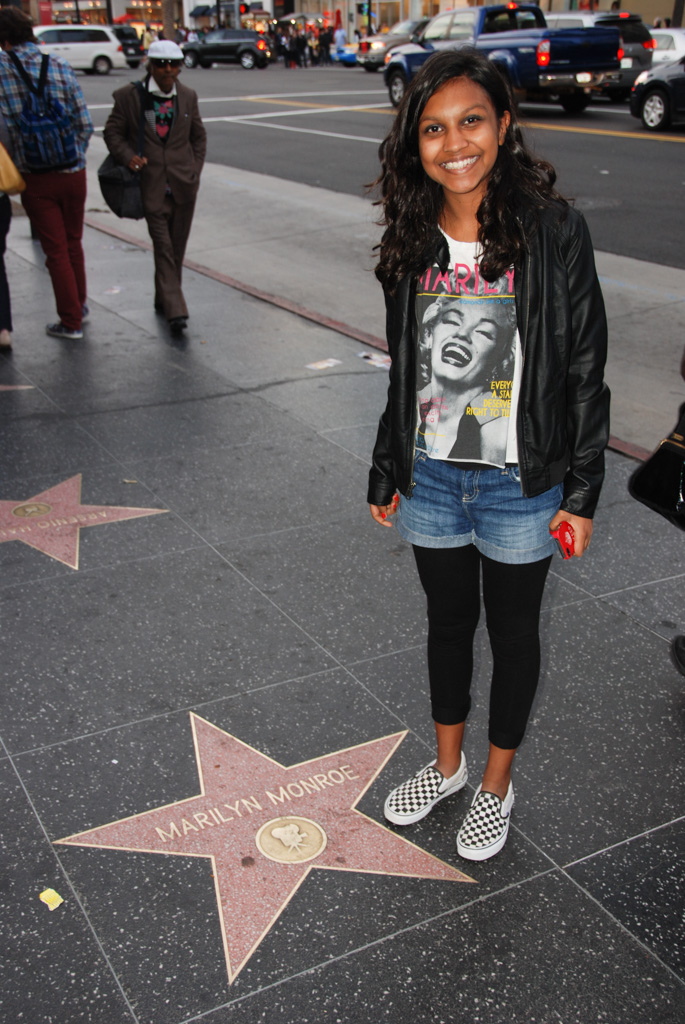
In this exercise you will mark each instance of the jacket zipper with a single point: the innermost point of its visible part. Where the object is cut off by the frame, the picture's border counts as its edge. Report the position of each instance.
(412, 482)
(522, 339)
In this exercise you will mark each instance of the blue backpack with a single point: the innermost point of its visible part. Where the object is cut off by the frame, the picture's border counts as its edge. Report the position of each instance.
(44, 125)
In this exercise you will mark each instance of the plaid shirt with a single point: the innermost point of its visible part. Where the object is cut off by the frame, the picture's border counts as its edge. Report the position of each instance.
(62, 85)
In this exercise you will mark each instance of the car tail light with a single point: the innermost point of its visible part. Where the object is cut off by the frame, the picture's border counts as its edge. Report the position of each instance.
(363, 46)
(621, 53)
(512, 7)
(261, 45)
(624, 14)
(120, 48)
(650, 44)
(542, 53)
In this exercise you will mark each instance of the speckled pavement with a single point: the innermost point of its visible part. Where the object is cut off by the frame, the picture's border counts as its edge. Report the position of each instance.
(207, 696)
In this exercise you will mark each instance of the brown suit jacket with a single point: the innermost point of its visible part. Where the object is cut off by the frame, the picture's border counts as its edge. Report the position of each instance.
(178, 161)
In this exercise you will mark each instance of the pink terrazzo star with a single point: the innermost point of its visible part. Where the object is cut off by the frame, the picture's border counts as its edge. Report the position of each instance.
(264, 827)
(51, 521)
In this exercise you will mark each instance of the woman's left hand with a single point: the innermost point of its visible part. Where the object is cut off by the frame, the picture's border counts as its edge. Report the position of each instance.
(582, 530)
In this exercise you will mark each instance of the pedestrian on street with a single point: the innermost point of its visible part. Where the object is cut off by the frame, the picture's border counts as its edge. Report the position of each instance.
(5, 221)
(55, 194)
(474, 226)
(174, 150)
(325, 39)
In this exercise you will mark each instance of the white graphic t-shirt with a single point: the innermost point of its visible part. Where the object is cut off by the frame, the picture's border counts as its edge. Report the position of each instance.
(469, 362)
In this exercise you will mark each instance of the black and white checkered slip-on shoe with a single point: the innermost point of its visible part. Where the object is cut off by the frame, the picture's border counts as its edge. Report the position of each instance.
(417, 796)
(486, 826)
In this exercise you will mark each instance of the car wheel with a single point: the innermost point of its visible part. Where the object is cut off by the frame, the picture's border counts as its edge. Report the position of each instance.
(133, 64)
(370, 67)
(575, 102)
(190, 59)
(205, 63)
(618, 95)
(247, 60)
(101, 66)
(655, 113)
(397, 86)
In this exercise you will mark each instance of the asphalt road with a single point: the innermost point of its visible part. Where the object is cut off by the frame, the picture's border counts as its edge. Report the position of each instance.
(322, 127)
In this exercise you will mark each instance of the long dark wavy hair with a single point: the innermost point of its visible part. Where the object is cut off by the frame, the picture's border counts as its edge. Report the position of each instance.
(412, 202)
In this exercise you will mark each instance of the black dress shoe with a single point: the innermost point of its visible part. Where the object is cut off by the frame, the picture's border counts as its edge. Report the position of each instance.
(678, 653)
(178, 324)
(159, 308)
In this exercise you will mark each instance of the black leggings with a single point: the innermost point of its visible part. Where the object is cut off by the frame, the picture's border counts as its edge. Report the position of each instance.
(512, 595)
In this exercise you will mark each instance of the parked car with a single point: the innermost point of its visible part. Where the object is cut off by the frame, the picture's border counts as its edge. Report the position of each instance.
(670, 44)
(130, 40)
(636, 42)
(372, 51)
(228, 46)
(90, 48)
(658, 96)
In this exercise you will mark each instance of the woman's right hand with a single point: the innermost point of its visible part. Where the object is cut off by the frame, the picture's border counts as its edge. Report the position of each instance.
(382, 513)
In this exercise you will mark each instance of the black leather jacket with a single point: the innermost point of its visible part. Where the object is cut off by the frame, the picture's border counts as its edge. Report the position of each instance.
(563, 411)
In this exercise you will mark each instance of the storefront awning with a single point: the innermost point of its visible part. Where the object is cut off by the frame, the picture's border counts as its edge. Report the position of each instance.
(200, 12)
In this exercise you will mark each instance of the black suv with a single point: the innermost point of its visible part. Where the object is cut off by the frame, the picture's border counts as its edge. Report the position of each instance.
(133, 48)
(228, 45)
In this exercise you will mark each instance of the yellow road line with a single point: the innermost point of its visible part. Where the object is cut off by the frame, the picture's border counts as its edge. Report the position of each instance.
(314, 106)
(526, 124)
(598, 131)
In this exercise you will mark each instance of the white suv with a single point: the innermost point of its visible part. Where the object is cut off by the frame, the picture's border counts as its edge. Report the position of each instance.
(90, 48)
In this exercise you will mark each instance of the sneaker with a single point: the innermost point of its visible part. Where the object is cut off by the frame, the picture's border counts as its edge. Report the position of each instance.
(85, 314)
(486, 826)
(58, 330)
(417, 796)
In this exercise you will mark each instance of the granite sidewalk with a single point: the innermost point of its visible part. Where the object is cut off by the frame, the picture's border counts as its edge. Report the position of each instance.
(207, 642)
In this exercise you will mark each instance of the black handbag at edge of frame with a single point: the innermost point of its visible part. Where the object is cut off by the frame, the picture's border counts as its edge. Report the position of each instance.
(120, 186)
(659, 483)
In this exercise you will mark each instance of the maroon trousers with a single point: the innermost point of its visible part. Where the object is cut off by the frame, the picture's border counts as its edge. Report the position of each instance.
(55, 203)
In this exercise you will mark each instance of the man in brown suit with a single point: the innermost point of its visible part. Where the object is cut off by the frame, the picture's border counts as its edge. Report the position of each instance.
(174, 149)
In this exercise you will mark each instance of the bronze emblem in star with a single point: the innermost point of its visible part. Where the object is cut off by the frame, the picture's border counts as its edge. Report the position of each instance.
(52, 520)
(265, 827)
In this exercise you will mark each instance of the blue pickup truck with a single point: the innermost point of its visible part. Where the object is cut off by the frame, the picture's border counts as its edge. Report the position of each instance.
(565, 65)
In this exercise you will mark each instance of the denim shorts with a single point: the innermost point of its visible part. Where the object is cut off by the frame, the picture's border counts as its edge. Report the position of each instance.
(451, 507)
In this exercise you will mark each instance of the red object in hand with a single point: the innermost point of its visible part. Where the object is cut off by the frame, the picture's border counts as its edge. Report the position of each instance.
(565, 538)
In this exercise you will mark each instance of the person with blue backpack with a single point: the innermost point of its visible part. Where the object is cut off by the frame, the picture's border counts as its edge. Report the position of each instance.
(49, 127)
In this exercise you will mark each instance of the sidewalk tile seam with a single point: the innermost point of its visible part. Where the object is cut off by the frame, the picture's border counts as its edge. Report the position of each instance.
(619, 924)
(359, 950)
(185, 402)
(171, 713)
(641, 585)
(74, 894)
(82, 574)
(623, 842)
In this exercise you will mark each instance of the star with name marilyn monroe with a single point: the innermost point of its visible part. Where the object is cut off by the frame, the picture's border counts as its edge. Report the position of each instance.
(51, 521)
(264, 827)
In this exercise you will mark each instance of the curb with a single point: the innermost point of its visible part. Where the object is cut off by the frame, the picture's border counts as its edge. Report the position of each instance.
(631, 451)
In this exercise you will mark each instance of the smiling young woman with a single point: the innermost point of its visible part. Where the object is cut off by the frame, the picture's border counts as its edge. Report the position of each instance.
(481, 452)
(459, 139)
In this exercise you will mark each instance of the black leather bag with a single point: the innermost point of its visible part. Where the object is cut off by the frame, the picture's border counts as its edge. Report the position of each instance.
(659, 483)
(119, 185)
